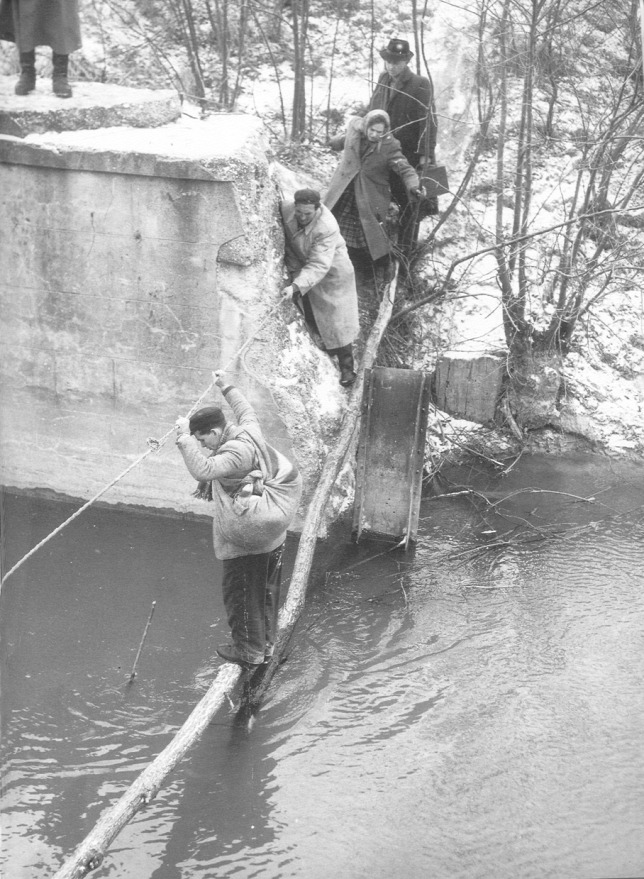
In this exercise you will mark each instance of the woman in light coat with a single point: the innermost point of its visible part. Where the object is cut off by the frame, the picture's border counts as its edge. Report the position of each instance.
(359, 194)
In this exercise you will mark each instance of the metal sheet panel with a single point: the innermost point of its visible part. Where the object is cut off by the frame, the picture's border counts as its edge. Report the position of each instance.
(391, 453)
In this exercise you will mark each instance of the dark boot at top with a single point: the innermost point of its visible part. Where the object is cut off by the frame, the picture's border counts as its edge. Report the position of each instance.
(347, 377)
(345, 362)
(60, 83)
(27, 80)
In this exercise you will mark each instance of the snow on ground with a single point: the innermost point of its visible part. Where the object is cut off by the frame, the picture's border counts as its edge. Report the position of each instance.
(604, 375)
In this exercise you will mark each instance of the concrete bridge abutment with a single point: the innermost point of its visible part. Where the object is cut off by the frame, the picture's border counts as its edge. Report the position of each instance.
(136, 261)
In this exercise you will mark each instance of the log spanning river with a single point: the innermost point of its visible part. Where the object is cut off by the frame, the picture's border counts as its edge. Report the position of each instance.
(474, 708)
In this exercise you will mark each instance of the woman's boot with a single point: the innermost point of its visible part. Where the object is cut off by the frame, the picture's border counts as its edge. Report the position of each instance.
(27, 80)
(60, 83)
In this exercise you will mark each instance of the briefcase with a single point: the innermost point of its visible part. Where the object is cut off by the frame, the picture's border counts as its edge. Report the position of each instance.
(434, 180)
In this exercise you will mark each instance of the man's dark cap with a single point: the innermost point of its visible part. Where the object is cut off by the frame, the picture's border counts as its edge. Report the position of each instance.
(397, 50)
(307, 196)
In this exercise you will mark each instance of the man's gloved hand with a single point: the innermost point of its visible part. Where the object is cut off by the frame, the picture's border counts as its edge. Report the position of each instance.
(417, 192)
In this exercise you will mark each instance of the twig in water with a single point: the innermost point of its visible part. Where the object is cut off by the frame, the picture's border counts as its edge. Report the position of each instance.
(138, 653)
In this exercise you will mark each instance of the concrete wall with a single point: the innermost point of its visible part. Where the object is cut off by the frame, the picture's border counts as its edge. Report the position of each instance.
(134, 263)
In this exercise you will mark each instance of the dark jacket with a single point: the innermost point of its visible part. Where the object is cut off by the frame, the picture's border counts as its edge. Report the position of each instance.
(412, 112)
(370, 171)
(31, 23)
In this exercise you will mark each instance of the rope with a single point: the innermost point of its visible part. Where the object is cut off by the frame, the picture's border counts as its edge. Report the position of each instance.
(155, 445)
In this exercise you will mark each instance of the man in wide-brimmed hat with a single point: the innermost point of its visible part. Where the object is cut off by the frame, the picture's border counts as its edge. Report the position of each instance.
(408, 99)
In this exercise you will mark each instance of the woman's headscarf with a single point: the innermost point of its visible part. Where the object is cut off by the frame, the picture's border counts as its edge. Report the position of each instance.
(376, 116)
(371, 117)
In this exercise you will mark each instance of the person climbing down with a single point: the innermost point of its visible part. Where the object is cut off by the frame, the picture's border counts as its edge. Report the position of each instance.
(322, 280)
(255, 492)
(408, 99)
(31, 23)
(359, 194)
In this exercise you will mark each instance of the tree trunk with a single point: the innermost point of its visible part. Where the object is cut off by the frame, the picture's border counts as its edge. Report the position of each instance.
(534, 385)
(300, 10)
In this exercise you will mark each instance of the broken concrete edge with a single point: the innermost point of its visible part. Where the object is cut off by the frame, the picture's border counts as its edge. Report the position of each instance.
(15, 151)
(93, 105)
(39, 122)
(178, 151)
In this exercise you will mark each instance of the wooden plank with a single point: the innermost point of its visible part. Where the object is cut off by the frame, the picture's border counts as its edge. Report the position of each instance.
(391, 453)
(418, 459)
(469, 386)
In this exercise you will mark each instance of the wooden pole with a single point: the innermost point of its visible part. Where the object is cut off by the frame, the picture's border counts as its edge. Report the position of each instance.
(138, 652)
(90, 853)
(294, 603)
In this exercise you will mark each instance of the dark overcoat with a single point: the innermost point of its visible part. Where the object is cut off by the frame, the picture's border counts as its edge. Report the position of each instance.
(318, 262)
(412, 113)
(31, 23)
(368, 171)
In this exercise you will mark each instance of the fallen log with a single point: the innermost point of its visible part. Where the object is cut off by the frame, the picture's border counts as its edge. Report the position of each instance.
(296, 598)
(90, 853)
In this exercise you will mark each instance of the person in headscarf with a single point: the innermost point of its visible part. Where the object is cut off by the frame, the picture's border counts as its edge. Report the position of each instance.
(359, 194)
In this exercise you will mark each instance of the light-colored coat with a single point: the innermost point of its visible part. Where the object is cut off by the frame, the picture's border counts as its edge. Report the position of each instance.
(318, 262)
(370, 171)
(31, 23)
(231, 466)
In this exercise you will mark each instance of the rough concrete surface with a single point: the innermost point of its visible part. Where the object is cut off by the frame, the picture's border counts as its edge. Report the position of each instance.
(136, 262)
(93, 105)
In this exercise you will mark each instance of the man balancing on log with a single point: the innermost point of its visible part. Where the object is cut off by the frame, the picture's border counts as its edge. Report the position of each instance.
(255, 493)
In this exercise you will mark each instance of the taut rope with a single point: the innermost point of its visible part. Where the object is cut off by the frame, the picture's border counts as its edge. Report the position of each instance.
(155, 445)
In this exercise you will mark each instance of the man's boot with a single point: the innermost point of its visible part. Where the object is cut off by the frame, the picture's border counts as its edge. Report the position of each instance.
(27, 80)
(60, 83)
(345, 362)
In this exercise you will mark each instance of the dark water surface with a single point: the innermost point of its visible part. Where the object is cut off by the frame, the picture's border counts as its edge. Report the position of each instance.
(472, 709)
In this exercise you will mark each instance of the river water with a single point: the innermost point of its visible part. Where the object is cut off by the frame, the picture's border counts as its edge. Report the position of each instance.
(473, 708)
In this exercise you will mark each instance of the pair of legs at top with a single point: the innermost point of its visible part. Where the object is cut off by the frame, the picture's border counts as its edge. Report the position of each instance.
(32, 23)
(251, 591)
(59, 78)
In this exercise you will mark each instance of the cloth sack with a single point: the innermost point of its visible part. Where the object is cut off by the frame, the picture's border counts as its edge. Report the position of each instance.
(255, 519)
